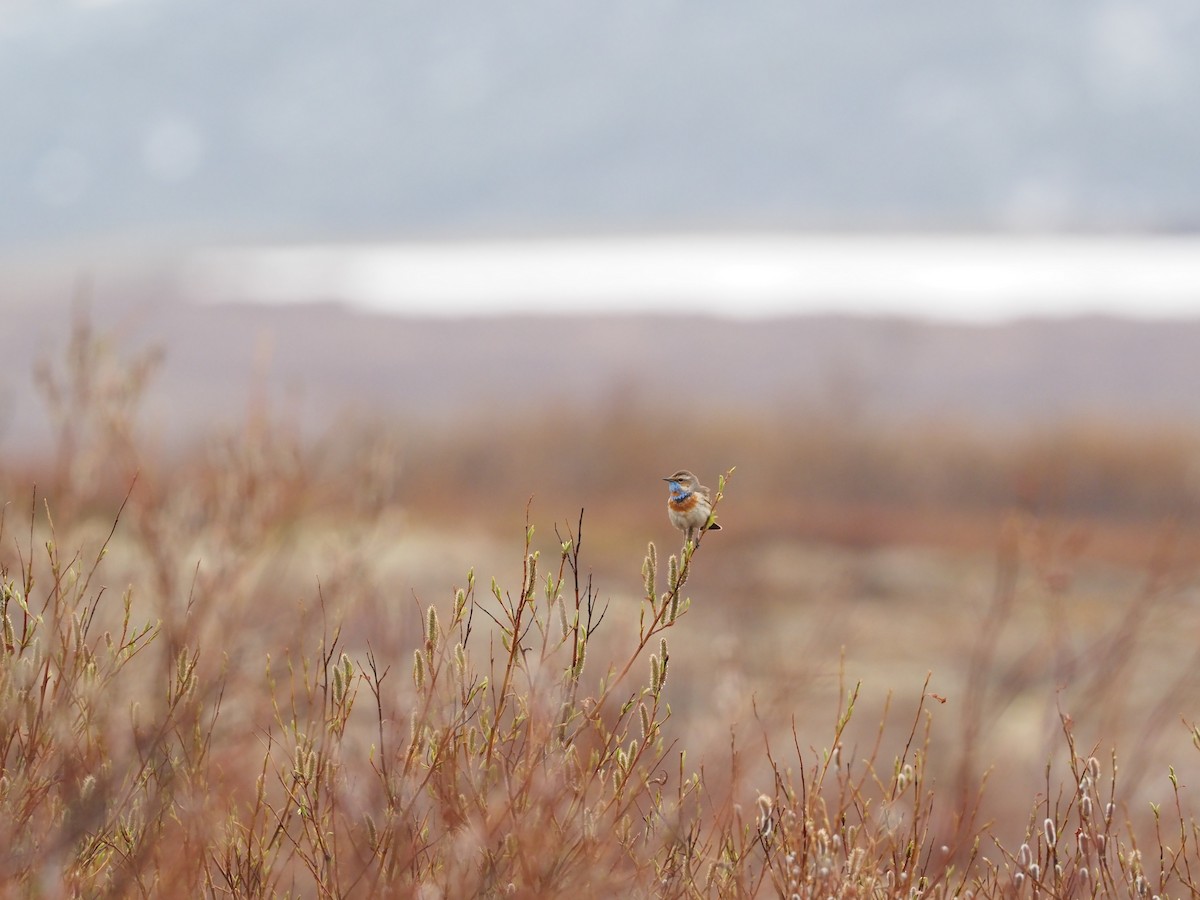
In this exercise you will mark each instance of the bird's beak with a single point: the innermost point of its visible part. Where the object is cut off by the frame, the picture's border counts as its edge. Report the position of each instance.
(666, 479)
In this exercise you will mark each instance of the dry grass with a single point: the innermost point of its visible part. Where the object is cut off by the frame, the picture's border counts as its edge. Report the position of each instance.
(248, 672)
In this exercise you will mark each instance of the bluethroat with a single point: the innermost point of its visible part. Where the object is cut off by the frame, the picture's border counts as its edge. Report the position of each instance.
(689, 505)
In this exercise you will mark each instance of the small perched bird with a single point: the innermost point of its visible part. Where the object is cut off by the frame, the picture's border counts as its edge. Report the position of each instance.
(689, 505)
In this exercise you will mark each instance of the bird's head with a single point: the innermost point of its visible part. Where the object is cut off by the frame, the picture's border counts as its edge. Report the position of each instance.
(682, 482)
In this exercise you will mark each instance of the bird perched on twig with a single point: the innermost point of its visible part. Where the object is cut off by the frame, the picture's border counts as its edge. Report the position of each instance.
(689, 505)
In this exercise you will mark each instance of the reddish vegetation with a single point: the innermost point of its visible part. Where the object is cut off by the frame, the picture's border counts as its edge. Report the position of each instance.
(910, 660)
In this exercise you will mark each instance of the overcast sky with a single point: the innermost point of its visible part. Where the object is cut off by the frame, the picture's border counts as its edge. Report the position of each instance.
(457, 132)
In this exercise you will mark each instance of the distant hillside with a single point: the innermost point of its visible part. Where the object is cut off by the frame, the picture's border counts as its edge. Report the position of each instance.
(318, 362)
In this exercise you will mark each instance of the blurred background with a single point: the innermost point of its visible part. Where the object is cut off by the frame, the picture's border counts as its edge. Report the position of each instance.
(945, 166)
(926, 276)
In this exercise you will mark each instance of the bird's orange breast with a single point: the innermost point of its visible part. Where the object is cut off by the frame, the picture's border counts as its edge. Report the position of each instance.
(685, 505)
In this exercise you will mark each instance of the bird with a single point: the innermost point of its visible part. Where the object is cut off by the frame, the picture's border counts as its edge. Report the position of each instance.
(689, 505)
